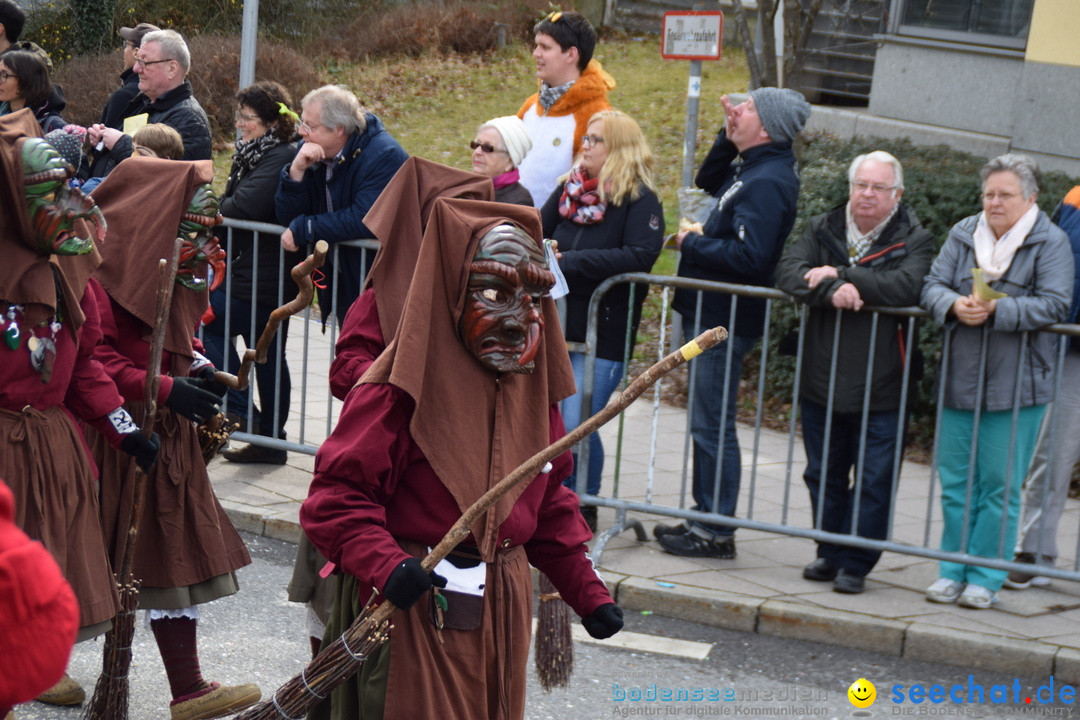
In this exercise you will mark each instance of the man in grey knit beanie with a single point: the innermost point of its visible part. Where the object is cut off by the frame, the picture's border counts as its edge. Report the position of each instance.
(783, 112)
(751, 171)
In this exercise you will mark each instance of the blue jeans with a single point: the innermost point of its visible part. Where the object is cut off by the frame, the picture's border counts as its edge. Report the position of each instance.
(715, 460)
(271, 417)
(875, 496)
(606, 377)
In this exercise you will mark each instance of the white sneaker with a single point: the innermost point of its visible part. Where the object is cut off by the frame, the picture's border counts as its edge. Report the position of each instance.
(944, 591)
(977, 597)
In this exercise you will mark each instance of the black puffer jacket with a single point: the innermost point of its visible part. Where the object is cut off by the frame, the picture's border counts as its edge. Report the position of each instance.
(628, 239)
(179, 110)
(890, 274)
(252, 198)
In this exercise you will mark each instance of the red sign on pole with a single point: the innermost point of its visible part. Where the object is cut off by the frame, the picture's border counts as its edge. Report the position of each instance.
(692, 35)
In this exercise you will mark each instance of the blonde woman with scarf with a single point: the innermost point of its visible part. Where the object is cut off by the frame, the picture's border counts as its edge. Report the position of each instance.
(607, 220)
(1026, 262)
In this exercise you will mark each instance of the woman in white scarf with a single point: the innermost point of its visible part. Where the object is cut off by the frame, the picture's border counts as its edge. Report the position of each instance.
(1000, 275)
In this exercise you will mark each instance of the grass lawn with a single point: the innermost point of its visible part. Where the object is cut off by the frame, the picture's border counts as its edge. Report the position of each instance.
(433, 104)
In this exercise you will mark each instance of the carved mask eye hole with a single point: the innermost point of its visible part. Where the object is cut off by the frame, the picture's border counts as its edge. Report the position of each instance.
(491, 294)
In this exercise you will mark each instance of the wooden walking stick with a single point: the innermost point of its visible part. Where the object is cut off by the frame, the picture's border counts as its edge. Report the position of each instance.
(110, 699)
(301, 275)
(215, 432)
(343, 657)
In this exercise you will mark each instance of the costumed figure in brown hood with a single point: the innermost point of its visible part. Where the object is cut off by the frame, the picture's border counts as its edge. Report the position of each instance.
(465, 391)
(48, 377)
(187, 551)
(398, 218)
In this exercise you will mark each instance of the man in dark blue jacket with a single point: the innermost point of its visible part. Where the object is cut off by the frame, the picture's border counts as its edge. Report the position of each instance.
(345, 161)
(740, 243)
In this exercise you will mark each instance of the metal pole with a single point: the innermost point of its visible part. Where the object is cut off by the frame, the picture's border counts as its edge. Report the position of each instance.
(693, 93)
(248, 41)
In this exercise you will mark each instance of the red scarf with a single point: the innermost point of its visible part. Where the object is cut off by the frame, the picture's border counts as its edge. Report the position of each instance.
(580, 201)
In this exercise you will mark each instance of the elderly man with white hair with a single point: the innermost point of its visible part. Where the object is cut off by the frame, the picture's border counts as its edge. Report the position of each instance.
(162, 63)
(346, 159)
(870, 250)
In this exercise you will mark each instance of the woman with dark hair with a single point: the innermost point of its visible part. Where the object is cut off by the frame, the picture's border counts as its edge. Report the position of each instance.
(24, 82)
(260, 270)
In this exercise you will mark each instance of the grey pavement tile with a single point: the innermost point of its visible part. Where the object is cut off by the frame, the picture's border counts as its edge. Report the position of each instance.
(1036, 626)
(958, 618)
(725, 580)
(648, 562)
(291, 485)
(878, 600)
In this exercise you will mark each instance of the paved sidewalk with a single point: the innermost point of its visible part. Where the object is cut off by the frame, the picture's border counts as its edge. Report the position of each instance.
(1032, 633)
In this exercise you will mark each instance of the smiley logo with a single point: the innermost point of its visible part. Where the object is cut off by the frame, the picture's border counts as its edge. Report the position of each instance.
(862, 693)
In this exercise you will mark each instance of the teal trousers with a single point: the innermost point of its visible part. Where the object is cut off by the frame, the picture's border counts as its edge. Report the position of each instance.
(974, 521)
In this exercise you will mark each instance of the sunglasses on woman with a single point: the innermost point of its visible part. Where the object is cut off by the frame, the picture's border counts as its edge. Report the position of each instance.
(485, 147)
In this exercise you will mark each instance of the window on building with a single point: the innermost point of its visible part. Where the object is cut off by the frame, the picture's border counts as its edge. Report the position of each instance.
(987, 22)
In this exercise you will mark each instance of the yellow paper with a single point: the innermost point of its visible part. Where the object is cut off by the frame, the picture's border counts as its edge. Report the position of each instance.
(134, 123)
(982, 290)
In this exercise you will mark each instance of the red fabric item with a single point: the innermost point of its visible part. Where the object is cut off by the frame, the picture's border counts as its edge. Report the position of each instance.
(124, 353)
(176, 640)
(373, 484)
(360, 342)
(78, 382)
(38, 614)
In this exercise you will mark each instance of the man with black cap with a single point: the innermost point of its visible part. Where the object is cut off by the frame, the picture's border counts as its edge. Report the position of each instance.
(113, 113)
(740, 243)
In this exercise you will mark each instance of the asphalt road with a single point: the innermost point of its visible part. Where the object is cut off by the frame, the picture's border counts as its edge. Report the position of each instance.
(258, 636)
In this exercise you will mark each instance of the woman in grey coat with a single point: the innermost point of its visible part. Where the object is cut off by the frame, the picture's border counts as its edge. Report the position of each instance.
(990, 345)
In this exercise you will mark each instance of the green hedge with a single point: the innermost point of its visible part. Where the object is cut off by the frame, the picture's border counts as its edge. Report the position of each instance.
(941, 186)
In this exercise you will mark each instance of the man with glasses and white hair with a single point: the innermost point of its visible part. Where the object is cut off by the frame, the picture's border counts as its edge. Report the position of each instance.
(162, 64)
(341, 168)
(870, 250)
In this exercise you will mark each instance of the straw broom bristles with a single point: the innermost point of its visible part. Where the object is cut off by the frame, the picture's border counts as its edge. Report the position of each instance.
(554, 648)
(337, 663)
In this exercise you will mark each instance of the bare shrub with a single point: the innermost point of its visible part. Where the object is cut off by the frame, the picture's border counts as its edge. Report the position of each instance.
(215, 70)
(414, 28)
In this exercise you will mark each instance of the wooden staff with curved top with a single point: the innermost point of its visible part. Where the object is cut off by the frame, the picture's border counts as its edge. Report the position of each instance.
(342, 658)
(301, 275)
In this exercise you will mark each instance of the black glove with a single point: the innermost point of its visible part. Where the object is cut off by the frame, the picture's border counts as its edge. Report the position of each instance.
(205, 379)
(143, 449)
(192, 401)
(604, 621)
(409, 582)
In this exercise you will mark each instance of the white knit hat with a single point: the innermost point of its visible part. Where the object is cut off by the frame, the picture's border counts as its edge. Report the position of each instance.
(514, 135)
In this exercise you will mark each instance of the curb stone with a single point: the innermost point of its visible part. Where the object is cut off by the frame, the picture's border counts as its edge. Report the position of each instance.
(803, 621)
(1008, 655)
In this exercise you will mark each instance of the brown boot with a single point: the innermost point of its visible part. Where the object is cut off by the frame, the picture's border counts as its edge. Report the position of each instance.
(217, 701)
(66, 692)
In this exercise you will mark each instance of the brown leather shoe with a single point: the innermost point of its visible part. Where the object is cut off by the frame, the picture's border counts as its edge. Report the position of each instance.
(67, 692)
(220, 700)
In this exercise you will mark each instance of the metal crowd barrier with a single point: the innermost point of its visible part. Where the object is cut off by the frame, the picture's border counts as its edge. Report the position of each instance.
(922, 544)
(310, 401)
